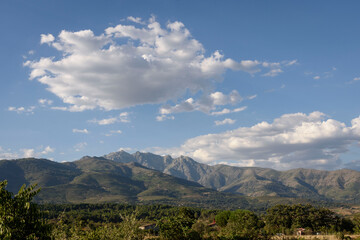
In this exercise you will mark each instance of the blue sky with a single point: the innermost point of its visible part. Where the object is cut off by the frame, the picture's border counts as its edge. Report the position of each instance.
(247, 83)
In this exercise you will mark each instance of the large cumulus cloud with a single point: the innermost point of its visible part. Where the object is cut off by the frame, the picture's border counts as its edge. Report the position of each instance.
(129, 65)
(290, 141)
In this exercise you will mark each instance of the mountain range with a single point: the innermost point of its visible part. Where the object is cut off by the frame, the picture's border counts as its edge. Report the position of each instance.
(150, 178)
(340, 185)
(99, 180)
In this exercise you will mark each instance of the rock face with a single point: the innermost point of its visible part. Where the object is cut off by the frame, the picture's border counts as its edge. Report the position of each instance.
(341, 185)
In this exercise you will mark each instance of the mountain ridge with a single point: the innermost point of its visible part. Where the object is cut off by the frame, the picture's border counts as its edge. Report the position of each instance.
(337, 185)
(99, 180)
(145, 177)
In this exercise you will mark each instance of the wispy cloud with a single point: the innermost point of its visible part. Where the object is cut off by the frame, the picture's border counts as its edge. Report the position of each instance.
(252, 97)
(26, 152)
(19, 110)
(355, 79)
(227, 111)
(277, 67)
(80, 146)
(122, 117)
(164, 117)
(136, 20)
(45, 102)
(322, 75)
(273, 72)
(225, 121)
(85, 131)
(113, 132)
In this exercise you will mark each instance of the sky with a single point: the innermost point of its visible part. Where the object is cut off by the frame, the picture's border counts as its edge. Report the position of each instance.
(245, 83)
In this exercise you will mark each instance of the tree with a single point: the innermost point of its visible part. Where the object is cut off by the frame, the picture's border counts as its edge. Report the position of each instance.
(243, 224)
(222, 218)
(177, 228)
(19, 217)
(356, 222)
(286, 218)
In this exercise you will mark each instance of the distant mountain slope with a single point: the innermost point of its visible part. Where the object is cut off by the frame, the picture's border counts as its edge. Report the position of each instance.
(341, 185)
(182, 167)
(96, 180)
(42, 171)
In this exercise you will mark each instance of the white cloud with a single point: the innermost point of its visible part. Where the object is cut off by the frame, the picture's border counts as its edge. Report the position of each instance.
(324, 75)
(85, 131)
(7, 154)
(290, 63)
(60, 108)
(47, 150)
(44, 102)
(291, 141)
(276, 67)
(47, 38)
(80, 146)
(135, 20)
(105, 121)
(19, 110)
(225, 121)
(128, 65)
(113, 132)
(252, 97)
(273, 72)
(163, 117)
(25, 152)
(355, 79)
(125, 149)
(28, 153)
(30, 110)
(227, 111)
(204, 104)
(122, 117)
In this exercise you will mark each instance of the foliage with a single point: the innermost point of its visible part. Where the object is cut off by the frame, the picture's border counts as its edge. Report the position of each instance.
(356, 221)
(222, 218)
(243, 224)
(121, 221)
(286, 218)
(19, 217)
(178, 227)
(128, 229)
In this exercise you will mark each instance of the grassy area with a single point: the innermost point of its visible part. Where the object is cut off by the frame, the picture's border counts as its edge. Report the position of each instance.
(347, 211)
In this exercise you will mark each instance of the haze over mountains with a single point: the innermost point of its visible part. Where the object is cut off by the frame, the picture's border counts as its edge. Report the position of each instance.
(150, 178)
